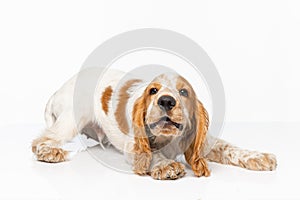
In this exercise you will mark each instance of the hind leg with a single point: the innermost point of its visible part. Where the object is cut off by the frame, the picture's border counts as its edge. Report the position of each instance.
(225, 153)
(47, 146)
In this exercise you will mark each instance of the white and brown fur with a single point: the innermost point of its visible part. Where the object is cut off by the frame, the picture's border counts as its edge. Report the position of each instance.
(150, 143)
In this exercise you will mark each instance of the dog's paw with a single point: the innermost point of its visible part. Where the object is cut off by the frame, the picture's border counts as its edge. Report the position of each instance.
(261, 162)
(49, 154)
(168, 170)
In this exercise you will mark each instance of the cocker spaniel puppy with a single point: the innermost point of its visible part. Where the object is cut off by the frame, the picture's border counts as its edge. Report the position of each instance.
(166, 119)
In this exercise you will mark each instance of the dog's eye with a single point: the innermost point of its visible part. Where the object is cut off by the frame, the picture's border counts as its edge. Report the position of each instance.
(153, 91)
(184, 92)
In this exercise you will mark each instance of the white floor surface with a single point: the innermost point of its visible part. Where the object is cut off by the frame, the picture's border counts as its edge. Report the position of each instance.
(21, 177)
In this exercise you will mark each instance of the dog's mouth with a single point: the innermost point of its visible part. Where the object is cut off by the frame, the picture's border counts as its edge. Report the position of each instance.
(164, 122)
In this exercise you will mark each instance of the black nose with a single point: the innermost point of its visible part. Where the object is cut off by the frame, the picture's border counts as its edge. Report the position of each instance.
(166, 102)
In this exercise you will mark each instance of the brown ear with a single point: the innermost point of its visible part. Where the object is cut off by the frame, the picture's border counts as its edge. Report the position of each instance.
(142, 151)
(193, 154)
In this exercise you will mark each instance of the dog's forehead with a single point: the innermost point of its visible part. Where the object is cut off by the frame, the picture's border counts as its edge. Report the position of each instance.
(167, 80)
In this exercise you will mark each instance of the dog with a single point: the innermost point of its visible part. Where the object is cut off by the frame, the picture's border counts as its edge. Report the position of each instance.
(165, 119)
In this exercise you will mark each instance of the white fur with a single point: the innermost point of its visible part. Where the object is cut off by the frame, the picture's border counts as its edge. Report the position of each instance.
(59, 112)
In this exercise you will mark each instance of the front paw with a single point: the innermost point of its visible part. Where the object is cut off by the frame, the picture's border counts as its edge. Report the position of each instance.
(168, 170)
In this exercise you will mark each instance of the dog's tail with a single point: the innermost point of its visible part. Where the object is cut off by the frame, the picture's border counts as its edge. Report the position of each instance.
(225, 153)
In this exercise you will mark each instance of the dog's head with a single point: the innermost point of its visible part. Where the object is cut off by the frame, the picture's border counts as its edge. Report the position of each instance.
(169, 107)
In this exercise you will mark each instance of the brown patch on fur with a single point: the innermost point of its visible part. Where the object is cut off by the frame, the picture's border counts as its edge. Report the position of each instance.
(142, 150)
(106, 95)
(153, 85)
(191, 99)
(51, 154)
(120, 113)
(38, 141)
(193, 153)
(47, 153)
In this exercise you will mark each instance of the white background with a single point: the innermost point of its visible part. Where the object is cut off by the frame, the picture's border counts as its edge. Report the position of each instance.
(255, 46)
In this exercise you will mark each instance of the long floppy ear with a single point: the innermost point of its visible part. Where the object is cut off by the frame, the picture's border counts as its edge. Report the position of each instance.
(142, 151)
(193, 154)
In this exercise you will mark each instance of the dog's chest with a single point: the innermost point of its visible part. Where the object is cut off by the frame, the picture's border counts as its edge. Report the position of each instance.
(169, 147)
